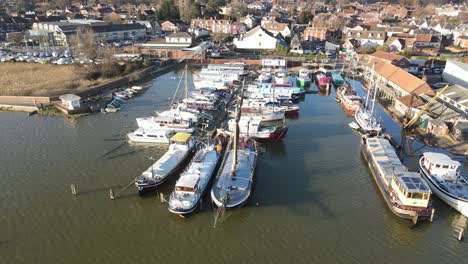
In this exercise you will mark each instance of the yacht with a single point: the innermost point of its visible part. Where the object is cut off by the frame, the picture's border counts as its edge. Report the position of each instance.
(264, 77)
(406, 193)
(444, 177)
(192, 183)
(257, 128)
(142, 135)
(322, 79)
(348, 98)
(365, 117)
(180, 113)
(281, 77)
(165, 123)
(180, 149)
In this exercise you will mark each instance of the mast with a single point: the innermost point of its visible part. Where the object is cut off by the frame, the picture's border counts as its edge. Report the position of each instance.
(375, 94)
(236, 131)
(371, 82)
(186, 81)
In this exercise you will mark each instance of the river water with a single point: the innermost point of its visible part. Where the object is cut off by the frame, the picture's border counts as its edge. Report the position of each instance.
(314, 200)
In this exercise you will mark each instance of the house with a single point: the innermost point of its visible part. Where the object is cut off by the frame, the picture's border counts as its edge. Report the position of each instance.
(314, 34)
(397, 83)
(168, 26)
(258, 39)
(278, 28)
(408, 105)
(369, 17)
(367, 37)
(445, 29)
(70, 101)
(456, 72)
(118, 32)
(350, 45)
(212, 25)
(427, 43)
(274, 62)
(395, 44)
(394, 59)
(249, 21)
(172, 46)
(394, 11)
(462, 42)
(296, 46)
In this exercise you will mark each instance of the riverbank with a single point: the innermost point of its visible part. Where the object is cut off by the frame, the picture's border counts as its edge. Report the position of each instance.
(419, 133)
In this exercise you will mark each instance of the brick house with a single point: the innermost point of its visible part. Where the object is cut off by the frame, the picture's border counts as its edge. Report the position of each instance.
(314, 34)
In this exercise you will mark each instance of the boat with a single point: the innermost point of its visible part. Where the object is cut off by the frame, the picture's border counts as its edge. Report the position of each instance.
(269, 90)
(233, 185)
(180, 149)
(213, 84)
(191, 185)
(322, 79)
(348, 98)
(165, 123)
(237, 67)
(179, 112)
(264, 77)
(365, 117)
(444, 176)
(281, 77)
(337, 79)
(259, 129)
(142, 135)
(254, 104)
(304, 77)
(406, 193)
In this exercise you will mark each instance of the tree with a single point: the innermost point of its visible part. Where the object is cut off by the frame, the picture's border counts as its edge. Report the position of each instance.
(384, 48)
(212, 7)
(304, 17)
(167, 10)
(281, 50)
(221, 38)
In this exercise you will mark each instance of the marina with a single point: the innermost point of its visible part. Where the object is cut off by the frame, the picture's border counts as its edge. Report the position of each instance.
(302, 196)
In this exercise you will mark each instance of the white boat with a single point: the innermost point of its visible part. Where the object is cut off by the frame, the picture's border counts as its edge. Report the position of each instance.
(264, 114)
(281, 77)
(269, 90)
(142, 135)
(224, 75)
(165, 123)
(199, 103)
(192, 183)
(406, 193)
(235, 67)
(180, 148)
(444, 177)
(259, 129)
(365, 117)
(304, 77)
(264, 77)
(180, 113)
(214, 84)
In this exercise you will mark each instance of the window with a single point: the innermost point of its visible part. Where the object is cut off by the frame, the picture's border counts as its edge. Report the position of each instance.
(437, 165)
(445, 167)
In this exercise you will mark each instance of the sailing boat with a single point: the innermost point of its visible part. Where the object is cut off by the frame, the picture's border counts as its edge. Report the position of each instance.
(233, 185)
(365, 117)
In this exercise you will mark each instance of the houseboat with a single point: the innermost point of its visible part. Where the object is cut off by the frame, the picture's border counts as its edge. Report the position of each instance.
(444, 176)
(142, 135)
(165, 123)
(180, 149)
(259, 129)
(192, 183)
(406, 193)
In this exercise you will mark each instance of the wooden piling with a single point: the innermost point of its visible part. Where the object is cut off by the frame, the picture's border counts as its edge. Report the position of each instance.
(161, 197)
(460, 234)
(432, 215)
(111, 194)
(73, 189)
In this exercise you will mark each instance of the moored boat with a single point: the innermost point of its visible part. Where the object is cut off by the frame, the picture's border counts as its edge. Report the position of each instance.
(337, 79)
(304, 77)
(142, 135)
(260, 130)
(444, 177)
(192, 183)
(406, 193)
(322, 79)
(348, 98)
(165, 123)
(180, 149)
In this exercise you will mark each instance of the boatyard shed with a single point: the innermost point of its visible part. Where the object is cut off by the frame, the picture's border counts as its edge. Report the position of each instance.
(456, 72)
(70, 101)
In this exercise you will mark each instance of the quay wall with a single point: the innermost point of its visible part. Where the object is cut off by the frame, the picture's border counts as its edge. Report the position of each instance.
(24, 100)
(18, 108)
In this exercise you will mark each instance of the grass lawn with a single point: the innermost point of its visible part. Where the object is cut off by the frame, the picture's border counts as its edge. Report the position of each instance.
(28, 79)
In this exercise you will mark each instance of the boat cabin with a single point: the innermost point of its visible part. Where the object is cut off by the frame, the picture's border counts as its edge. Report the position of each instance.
(181, 138)
(70, 101)
(441, 166)
(187, 183)
(411, 189)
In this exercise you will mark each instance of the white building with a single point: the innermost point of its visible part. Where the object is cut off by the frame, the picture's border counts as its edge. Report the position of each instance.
(274, 62)
(456, 72)
(256, 39)
(70, 101)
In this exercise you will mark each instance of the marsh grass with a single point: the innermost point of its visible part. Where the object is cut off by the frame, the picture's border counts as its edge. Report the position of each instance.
(26, 79)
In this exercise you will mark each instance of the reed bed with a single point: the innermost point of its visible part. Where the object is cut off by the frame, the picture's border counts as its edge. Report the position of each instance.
(27, 79)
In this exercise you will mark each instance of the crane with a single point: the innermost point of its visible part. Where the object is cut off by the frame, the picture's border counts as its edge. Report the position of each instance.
(425, 108)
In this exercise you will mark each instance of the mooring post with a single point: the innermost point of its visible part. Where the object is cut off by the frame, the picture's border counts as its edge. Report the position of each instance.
(432, 215)
(460, 234)
(201, 203)
(111, 194)
(73, 189)
(161, 196)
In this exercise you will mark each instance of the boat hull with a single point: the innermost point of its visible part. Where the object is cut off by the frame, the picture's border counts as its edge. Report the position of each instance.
(454, 202)
(303, 82)
(400, 212)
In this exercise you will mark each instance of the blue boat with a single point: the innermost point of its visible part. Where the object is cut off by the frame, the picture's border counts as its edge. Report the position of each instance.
(337, 79)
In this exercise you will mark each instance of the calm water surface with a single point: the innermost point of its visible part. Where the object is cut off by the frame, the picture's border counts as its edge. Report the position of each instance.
(314, 201)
